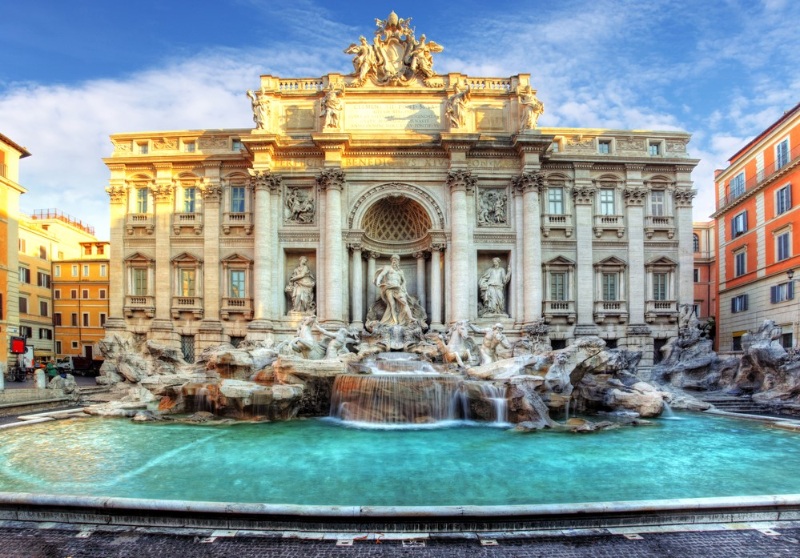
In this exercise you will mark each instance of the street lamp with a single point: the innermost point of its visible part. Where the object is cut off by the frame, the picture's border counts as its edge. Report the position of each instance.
(790, 274)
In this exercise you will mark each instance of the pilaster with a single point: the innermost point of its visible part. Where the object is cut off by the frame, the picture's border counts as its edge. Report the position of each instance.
(583, 196)
(332, 181)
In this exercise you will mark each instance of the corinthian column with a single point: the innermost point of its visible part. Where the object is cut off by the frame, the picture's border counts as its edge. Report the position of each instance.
(531, 184)
(331, 181)
(459, 182)
(635, 196)
(583, 198)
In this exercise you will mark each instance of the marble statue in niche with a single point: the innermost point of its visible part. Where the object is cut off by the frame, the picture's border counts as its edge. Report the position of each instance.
(492, 285)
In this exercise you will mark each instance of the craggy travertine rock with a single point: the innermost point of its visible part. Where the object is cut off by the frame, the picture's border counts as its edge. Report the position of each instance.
(641, 398)
(316, 378)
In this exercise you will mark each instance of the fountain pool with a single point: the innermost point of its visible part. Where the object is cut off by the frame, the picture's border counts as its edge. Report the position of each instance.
(322, 462)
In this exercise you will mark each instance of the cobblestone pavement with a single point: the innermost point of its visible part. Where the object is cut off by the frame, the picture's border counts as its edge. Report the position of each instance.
(60, 541)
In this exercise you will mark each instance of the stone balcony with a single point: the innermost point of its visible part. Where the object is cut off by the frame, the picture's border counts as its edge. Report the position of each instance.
(661, 223)
(187, 304)
(187, 221)
(135, 304)
(144, 221)
(614, 223)
(232, 220)
(559, 309)
(610, 309)
(661, 309)
(557, 222)
(232, 306)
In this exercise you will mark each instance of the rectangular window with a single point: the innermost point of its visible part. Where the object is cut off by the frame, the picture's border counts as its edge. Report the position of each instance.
(73, 294)
(102, 320)
(42, 252)
(57, 271)
(142, 148)
(609, 286)
(26, 332)
(787, 340)
(103, 270)
(558, 286)
(102, 294)
(604, 146)
(23, 305)
(696, 275)
(22, 246)
(100, 250)
(781, 292)
(782, 154)
(87, 250)
(85, 319)
(739, 303)
(24, 275)
(654, 148)
(57, 318)
(85, 293)
(783, 199)
(139, 282)
(44, 308)
(187, 278)
(607, 201)
(58, 347)
(237, 199)
(782, 245)
(237, 145)
(73, 319)
(74, 344)
(74, 270)
(659, 286)
(736, 342)
(141, 200)
(86, 271)
(740, 264)
(555, 200)
(45, 333)
(189, 146)
(57, 294)
(736, 187)
(43, 279)
(739, 224)
(189, 196)
(554, 147)
(236, 283)
(657, 198)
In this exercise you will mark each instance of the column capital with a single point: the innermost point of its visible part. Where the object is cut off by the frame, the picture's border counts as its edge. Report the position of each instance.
(461, 180)
(162, 192)
(438, 247)
(634, 196)
(583, 195)
(373, 255)
(419, 255)
(331, 179)
(683, 198)
(265, 180)
(355, 246)
(529, 181)
(117, 192)
(210, 190)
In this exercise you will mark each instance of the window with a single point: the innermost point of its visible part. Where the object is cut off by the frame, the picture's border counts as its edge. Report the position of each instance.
(787, 340)
(189, 196)
(102, 320)
(736, 186)
(660, 286)
(558, 286)
(607, 201)
(237, 145)
(103, 270)
(85, 319)
(736, 342)
(102, 294)
(236, 283)
(44, 308)
(142, 148)
(85, 293)
(187, 282)
(740, 263)
(782, 245)
(657, 198)
(43, 279)
(783, 199)
(604, 146)
(57, 319)
(101, 249)
(139, 287)
(696, 275)
(57, 294)
(74, 270)
(695, 243)
(45, 333)
(23, 305)
(609, 286)
(86, 271)
(73, 319)
(189, 146)
(74, 344)
(739, 303)
(781, 292)
(22, 246)
(237, 199)
(73, 294)
(654, 148)
(24, 275)
(696, 310)
(782, 154)
(555, 201)
(58, 347)
(1, 306)
(42, 252)
(141, 200)
(739, 224)
(26, 332)
(87, 250)
(57, 270)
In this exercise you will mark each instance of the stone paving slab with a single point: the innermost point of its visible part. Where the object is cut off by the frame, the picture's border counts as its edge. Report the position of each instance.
(62, 541)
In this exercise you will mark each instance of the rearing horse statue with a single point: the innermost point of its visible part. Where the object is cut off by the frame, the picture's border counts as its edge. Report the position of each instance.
(456, 350)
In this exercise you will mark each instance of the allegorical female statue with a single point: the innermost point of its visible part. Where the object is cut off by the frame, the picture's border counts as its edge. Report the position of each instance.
(492, 286)
(301, 287)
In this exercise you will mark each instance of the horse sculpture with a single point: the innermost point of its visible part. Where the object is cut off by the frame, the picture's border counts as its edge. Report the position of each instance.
(456, 350)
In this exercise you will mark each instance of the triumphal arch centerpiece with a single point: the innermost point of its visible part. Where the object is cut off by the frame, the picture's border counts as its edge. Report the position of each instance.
(395, 201)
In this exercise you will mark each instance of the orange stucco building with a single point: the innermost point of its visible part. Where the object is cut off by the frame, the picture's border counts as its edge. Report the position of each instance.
(758, 235)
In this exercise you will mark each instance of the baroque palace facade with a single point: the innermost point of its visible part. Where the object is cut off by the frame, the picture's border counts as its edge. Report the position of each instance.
(221, 235)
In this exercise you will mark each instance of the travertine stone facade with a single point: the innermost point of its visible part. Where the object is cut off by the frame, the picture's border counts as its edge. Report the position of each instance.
(447, 171)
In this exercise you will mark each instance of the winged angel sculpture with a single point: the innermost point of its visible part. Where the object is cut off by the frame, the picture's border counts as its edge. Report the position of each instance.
(395, 56)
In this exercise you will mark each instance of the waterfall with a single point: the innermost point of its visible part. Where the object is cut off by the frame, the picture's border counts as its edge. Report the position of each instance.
(396, 399)
(496, 395)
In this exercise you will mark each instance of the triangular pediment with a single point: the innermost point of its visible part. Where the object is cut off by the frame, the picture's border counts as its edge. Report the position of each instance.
(662, 261)
(139, 257)
(611, 261)
(186, 257)
(236, 258)
(560, 261)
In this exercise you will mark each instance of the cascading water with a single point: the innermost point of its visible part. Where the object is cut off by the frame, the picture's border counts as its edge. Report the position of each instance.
(496, 395)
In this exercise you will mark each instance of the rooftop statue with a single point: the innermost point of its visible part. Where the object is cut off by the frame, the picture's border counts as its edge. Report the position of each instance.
(395, 56)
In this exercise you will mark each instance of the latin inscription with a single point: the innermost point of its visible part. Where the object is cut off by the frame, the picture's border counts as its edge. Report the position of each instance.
(406, 116)
(299, 118)
(489, 119)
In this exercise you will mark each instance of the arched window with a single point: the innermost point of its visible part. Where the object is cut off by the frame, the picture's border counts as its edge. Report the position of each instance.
(695, 243)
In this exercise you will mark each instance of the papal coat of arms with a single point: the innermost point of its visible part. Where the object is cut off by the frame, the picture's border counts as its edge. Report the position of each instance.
(395, 56)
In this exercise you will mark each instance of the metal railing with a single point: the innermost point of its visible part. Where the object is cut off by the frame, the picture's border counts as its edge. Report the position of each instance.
(754, 181)
(61, 216)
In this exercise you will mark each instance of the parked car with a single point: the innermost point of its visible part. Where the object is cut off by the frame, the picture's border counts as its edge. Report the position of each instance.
(82, 366)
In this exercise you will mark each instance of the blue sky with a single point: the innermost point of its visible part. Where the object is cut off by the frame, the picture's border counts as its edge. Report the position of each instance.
(74, 72)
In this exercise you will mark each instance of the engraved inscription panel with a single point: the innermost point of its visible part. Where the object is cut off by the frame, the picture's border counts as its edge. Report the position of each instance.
(299, 118)
(401, 116)
(489, 119)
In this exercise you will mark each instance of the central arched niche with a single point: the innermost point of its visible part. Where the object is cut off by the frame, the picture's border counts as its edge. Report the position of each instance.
(396, 223)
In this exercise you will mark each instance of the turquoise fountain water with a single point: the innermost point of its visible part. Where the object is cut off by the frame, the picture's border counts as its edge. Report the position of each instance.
(323, 462)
